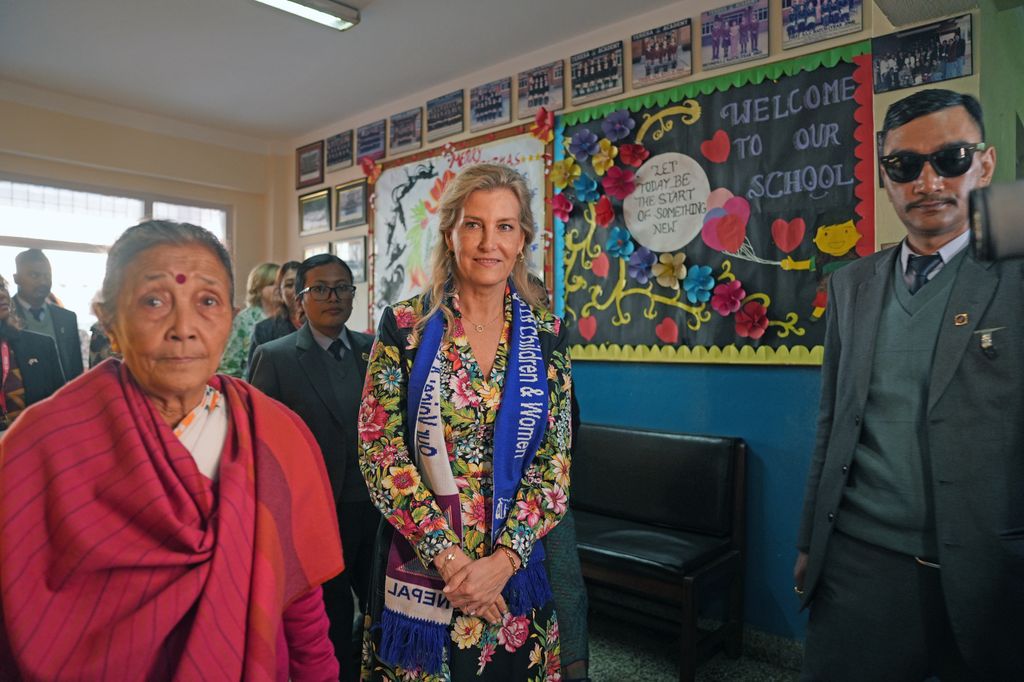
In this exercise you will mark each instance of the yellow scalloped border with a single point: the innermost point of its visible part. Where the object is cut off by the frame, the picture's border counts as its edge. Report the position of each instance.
(731, 354)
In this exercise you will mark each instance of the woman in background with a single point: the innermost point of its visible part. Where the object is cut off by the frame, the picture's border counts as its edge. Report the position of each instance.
(464, 431)
(260, 297)
(288, 316)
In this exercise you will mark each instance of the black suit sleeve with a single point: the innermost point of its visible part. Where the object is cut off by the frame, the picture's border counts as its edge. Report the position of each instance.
(263, 373)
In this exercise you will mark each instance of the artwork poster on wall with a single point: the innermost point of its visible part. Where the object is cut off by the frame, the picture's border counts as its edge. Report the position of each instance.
(703, 225)
(543, 86)
(662, 54)
(445, 115)
(309, 164)
(811, 21)
(370, 140)
(597, 73)
(734, 33)
(404, 225)
(490, 105)
(339, 151)
(923, 55)
(406, 131)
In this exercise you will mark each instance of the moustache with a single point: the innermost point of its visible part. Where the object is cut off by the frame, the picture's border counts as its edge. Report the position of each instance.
(931, 200)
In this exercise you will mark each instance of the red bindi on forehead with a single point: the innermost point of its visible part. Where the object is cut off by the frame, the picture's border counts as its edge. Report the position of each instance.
(180, 278)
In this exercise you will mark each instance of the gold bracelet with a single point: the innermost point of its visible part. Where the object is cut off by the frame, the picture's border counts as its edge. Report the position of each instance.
(447, 559)
(508, 552)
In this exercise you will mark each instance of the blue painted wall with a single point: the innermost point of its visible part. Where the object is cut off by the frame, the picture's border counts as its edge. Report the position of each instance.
(772, 408)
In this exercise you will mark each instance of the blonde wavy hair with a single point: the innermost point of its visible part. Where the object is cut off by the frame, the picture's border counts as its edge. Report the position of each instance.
(259, 277)
(481, 177)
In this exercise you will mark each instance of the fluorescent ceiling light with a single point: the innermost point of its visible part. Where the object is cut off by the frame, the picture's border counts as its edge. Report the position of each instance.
(327, 12)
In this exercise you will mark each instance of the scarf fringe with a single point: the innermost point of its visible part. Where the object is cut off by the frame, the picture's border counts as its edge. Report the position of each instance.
(528, 589)
(412, 643)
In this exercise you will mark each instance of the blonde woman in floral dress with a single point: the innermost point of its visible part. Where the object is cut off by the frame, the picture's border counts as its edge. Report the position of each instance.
(262, 303)
(464, 433)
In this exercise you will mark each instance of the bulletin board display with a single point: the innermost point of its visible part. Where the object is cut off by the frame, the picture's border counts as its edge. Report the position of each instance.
(404, 226)
(702, 223)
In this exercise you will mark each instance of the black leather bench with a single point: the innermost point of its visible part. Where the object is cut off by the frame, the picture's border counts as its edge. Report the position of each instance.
(659, 521)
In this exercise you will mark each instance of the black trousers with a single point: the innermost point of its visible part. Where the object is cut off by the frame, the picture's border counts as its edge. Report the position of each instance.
(357, 522)
(879, 615)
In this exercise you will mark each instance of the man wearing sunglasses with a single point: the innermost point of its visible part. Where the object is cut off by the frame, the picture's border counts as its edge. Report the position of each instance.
(911, 545)
(318, 372)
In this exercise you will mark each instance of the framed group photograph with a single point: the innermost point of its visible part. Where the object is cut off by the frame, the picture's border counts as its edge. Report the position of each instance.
(543, 86)
(353, 252)
(662, 54)
(734, 33)
(315, 212)
(309, 164)
(597, 73)
(490, 105)
(370, 140)
(339, 151)
(350, 204)
(811, 21)
(407, 131)
(926, 54)
(445, 115)
(315, 250)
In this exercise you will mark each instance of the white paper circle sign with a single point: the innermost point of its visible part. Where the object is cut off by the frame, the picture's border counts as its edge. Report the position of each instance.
(667, 209)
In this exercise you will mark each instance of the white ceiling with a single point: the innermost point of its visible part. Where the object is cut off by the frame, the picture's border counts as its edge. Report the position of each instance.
(241, 66)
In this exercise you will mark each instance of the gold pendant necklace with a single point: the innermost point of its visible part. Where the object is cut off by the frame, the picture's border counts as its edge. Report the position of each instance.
(479, 328)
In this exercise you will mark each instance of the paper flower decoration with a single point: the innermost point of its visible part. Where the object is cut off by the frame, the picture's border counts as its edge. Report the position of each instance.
(604, 214)
(543, 125)
(564, 172)
(586, 188)
(619, 244)
(633, 154)
(698, 284)
(752, 320)
(605, 156)
(617, 125)
(669, 269)
(370, 169)
(728, 297)
(583, 144)
(619, 183)
(640, 263)
(561, 207)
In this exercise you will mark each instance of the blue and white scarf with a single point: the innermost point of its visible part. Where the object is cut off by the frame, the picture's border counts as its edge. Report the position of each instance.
(416, 612)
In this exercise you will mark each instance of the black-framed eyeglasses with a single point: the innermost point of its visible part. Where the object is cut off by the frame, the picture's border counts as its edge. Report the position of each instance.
(322, 292)
(949, 162)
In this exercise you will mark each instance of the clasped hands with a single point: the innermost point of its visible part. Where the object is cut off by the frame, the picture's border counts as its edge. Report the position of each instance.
(474, 585)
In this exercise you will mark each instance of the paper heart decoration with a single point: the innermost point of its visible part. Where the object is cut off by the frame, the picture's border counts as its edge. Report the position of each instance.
(667, 331)
(725, 228)
(788, 235)
(740, 207)
(716, 150)
(717, 198)
(599, 266)
(588, 327)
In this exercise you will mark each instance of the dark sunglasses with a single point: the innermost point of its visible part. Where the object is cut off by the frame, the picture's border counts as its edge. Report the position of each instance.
(949, 162)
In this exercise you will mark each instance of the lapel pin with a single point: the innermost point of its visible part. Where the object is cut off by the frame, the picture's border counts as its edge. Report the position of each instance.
(366, 357)
(986, 341)
(33, 361)
(960, 319)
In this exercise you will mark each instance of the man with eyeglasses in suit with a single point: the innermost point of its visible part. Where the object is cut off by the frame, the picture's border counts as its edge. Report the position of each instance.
(911, 545)
(318, 372)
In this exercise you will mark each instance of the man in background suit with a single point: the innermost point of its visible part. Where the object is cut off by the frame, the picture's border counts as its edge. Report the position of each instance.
(35, 314)
(318, 372)
(911, 546)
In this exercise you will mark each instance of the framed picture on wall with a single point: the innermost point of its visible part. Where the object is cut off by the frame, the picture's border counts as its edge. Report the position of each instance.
(353, 252)
(370, 140)
(309, 164)
(597, 73)
(315, 212)
(407, 131)
(925, 54)
(662, 54)
(339, 151)
(350, 201)
(810, 21)
(445, 115)
(315, 250)
(734, 33)
(543, 86)
(490, 104)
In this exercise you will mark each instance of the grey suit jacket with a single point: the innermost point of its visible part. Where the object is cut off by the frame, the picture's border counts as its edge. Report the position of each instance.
(291, 369)
(974, 438)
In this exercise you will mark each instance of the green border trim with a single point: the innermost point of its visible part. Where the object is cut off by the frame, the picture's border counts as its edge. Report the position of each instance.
(755, 75)
(731, 354)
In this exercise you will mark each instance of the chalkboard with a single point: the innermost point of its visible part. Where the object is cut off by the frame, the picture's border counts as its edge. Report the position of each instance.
(706, 220)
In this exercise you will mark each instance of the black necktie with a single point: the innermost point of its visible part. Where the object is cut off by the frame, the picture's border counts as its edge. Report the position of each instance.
(37, 313)
(336, 348)
(920, 267)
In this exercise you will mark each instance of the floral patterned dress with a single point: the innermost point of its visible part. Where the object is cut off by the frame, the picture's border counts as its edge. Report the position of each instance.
(518, 648)
(236, 353)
